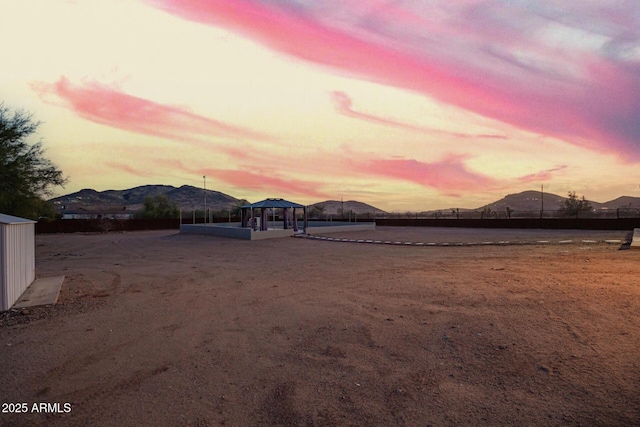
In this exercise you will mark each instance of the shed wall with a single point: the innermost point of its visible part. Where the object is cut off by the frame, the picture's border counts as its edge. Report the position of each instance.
(17, 261)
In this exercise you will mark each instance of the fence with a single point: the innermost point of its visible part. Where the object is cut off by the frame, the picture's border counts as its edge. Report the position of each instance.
(604, 219)
(454, 214)
(542, 223)
(104, 225)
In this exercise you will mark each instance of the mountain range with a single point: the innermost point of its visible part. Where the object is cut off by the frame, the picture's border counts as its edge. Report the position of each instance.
(188, 197)
(536, 200)
(185, 197)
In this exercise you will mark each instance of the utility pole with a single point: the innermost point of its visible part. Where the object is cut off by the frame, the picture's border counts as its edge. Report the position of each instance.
(541, 200)
(205, 199)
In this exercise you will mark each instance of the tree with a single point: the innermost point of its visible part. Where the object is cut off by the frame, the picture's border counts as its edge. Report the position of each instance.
(26, 176)
(573, 205)
(317, 211)
(158, 207)
(237, 207)
(487, 213)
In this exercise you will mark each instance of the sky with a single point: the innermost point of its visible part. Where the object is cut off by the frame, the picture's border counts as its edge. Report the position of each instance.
(402, 104)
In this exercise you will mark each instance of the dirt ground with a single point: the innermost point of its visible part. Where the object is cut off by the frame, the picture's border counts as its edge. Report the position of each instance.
(158, 328)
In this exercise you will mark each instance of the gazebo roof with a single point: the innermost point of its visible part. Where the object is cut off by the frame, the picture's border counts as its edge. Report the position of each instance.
(273, 203)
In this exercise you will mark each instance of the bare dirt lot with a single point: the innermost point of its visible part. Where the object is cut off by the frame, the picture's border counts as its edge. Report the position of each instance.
(157, 328)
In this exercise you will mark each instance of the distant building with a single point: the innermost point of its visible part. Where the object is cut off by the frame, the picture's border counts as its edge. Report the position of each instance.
(85, 214)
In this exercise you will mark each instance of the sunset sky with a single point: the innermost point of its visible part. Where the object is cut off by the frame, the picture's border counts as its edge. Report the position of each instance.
(406, 105)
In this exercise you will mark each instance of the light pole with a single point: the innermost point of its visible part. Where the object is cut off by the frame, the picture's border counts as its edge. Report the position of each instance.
(542, 201)
(205, 199)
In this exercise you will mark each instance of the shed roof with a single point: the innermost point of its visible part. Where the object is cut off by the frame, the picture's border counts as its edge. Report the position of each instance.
(10, 219)
(273, 203)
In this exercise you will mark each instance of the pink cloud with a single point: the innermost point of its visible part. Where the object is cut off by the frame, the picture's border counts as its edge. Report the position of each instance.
(107, 106)
(128, 169)
(450, 175)
(344, 105)
(544, 175)
(170, 164)
(252, 176)
(267, 182)
(489, 58)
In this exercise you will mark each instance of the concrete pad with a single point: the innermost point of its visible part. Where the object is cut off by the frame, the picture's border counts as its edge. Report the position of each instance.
(635, 241)
(42, 291)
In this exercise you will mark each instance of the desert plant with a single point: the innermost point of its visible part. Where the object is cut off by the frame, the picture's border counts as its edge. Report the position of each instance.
(25, 174)
(573, 205)
(158, 207)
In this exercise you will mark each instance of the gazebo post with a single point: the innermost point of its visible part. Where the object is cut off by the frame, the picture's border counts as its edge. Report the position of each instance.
(295, 221)
(306, 220)
(264, 221)
(253, 223)
(285, 214)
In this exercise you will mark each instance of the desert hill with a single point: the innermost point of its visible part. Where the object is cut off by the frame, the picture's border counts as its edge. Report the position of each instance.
(186, 197)
(621, 202)
(532, 201)
(335, 207)
(527, 201)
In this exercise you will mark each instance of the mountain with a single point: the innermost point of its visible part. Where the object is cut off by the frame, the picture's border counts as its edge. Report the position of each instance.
(526, 201)
(622, 202)
(186, 197)
(532, 201)
(333, 207)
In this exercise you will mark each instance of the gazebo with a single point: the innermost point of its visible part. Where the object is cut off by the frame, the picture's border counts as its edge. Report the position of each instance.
(254, 223)
(260, 220)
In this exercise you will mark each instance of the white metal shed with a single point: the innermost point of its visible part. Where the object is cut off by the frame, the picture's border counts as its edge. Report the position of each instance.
(17, 258)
